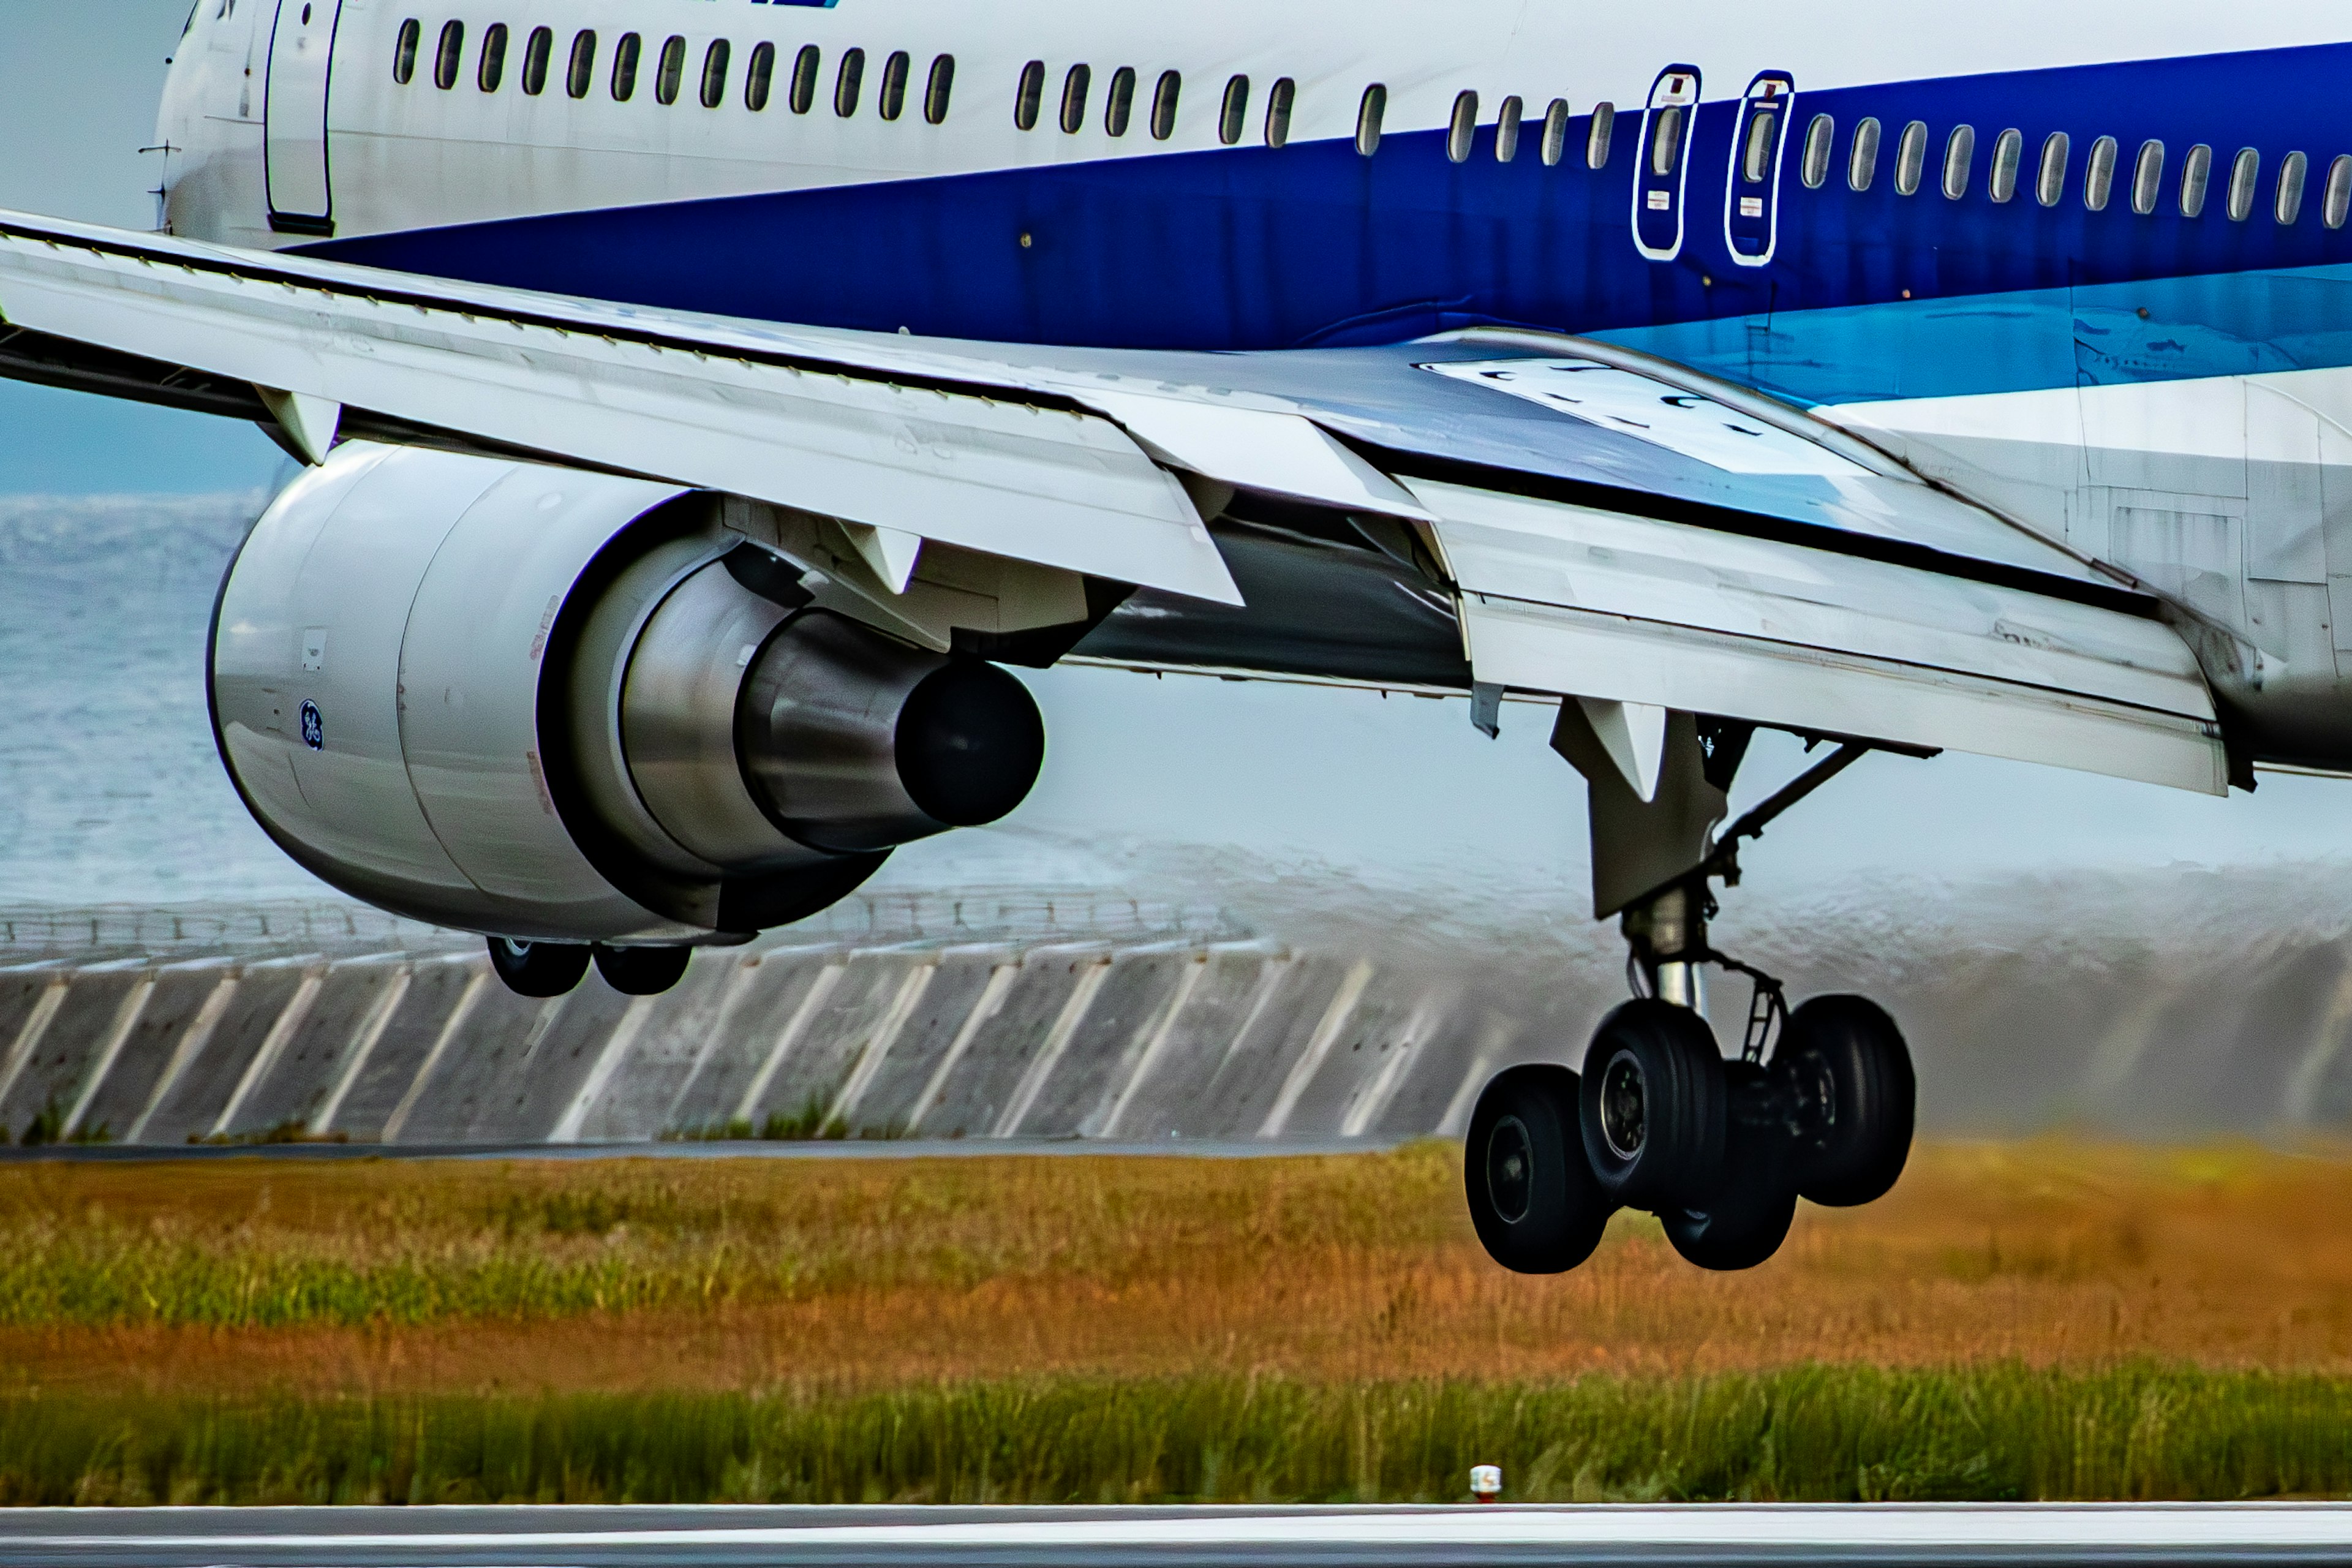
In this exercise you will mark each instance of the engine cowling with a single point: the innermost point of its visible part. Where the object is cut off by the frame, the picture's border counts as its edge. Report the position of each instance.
(558, 706)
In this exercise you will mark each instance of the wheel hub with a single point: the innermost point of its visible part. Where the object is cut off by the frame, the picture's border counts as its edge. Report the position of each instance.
(1624, 1109)
(1510, 1170)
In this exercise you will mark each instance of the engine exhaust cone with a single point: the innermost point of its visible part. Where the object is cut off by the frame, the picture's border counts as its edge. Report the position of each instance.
(970, 743)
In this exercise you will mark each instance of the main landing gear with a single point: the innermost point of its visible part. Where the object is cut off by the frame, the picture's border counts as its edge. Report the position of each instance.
(553, 968)
(1817, 1103)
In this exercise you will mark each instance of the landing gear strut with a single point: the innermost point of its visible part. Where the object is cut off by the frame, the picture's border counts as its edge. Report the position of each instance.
(1817, 1102)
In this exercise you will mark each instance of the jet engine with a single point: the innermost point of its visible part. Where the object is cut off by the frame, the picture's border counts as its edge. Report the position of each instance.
(553, 706)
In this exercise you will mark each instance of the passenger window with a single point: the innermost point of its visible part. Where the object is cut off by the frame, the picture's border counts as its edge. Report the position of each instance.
(2243, 173)
(846, 86)
(1821, 141)
(1118, 109)
(1236, 110)
(1506, 128)
(1596, 143)
(1075, 89)
(1368, 114)
(2288, 206)
(2007, 153)
(760, 79)
(714, 73)
(893, 102)
(1464, 130)
(1277, 111)
(536, 54)
(672, 73)
(939, 89)
(580, 74)
(1911, 158)
(493, 69)
(2336, 204)
(1763, 141)
(1029, 95)
(2099, 175)
(1862, 161)
(403, 51)
(2148, 177)
(2050, 181)
(1959, 160)
(1555, 135)
(1163, 105)
(805, 65)
(1667, 146)
(2196, 175)
(626, 56)
(451, 55)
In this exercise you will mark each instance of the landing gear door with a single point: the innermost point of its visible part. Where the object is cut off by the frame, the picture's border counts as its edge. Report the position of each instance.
(294, 125)
(1751, 196)
(1662, 169)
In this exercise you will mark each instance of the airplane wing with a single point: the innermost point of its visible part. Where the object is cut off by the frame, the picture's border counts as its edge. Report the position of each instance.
(1496, 512)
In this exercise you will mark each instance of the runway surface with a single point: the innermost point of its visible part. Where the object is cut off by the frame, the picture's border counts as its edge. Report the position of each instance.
(1638, 1537)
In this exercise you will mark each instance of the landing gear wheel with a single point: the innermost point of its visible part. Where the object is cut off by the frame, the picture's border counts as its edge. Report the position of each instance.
(537, 968)
(1532, 1195)
(642, 971)
(1745, 1218)
(1846, 1075)
(1652, 1106)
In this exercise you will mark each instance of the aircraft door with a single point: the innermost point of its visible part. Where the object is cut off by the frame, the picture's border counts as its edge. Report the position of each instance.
(1660, 171)
(1751, 196)
(294, 122)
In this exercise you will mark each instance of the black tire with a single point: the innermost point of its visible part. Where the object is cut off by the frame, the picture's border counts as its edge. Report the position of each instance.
(1744, 1221)
(1853, 1098)
(1651, 1107)
(1532, 1197)
(537, 968)
(642, 971)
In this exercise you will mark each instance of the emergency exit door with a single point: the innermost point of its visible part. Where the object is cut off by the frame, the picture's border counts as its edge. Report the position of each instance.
(294, 116)
(1662, 171)
(1751, 195)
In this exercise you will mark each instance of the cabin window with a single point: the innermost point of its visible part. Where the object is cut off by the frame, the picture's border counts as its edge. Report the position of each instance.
(2336, 204)
(2196, 175)
(536, 55)
(2244, 173)
(715, 61)
(2288, 205)
(2008, 154)
(1911, 159)
(1666, 146)
(1506, 128)
(1368, 114)
(1763, 142)
(1029, 95)
(1555, 132)
(1821, 141)
(1862, 161)
(805, 65)
(2099, 175)
(941, 86)
(2148, 177)
(760, 77)
(1075, 89)
(493, 68)
(2050, 180)
(672, 72)
(403, 51)
(1596, 143)
(1277, 111)
(895, 70)
(626, 56)
(846, 84)
(1959, 160)
(1464, 129)
(1118, 109)
(1235, 109)
(580, 74)
(450, 57)
(1163, 105)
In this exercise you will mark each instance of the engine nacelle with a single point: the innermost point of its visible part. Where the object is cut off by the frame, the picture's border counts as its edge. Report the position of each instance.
(552, 705)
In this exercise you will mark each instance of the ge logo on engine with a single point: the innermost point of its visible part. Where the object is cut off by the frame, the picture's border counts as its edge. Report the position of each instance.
(314, 729)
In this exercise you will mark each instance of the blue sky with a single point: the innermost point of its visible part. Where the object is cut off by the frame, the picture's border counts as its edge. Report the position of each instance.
(1399, 793)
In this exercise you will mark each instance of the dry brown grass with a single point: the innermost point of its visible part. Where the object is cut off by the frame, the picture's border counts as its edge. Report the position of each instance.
(859, 1275)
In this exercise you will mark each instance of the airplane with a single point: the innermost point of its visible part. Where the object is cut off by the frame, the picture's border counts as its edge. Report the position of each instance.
(704, 404)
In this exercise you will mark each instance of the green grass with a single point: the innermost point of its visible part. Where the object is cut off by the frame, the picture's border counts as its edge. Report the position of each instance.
(1807, 1433)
